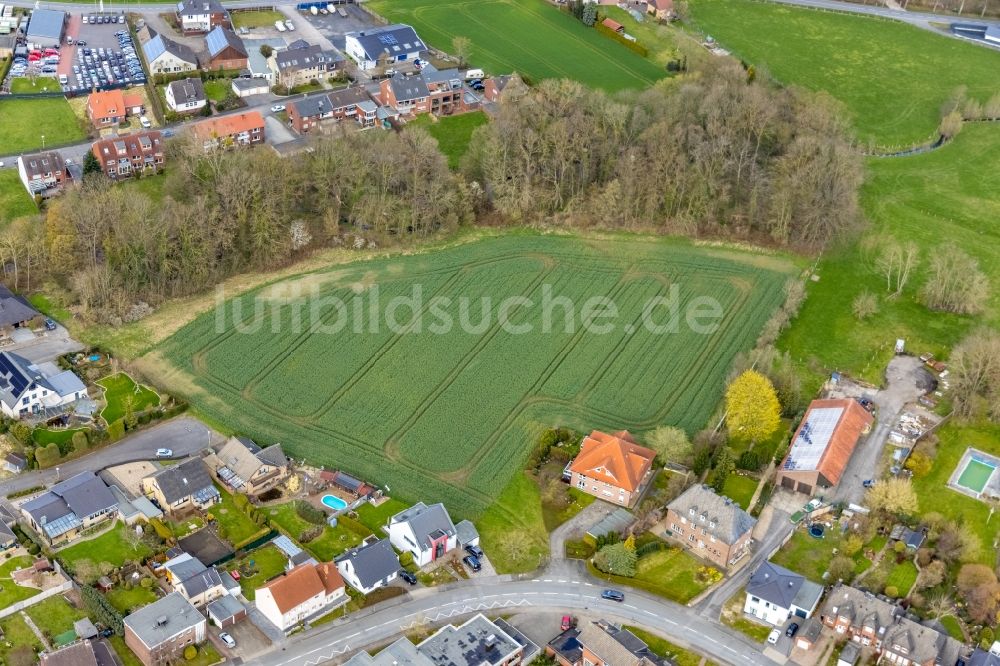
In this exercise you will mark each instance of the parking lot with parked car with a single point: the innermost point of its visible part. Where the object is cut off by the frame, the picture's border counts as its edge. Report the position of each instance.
(334, 26)
(105, 67)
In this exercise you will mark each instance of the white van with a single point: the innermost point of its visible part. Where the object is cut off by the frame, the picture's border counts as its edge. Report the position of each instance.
(474, 74)
(280, 26)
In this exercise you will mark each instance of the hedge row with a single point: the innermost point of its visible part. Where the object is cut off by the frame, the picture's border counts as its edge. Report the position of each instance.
(608, 32)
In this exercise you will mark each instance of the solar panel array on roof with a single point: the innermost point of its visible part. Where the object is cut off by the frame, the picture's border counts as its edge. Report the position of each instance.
(813, 438)
(14, 374)
(388, 39)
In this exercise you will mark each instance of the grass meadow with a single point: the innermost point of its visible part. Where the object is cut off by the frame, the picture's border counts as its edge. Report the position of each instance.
(14, 199)
(891, 77)
(530, 37)
(450, 416)
(26, 121)
(453, 133)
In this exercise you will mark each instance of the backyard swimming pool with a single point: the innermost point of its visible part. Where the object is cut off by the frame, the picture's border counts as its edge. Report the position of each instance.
(975, 475)
(334, 502)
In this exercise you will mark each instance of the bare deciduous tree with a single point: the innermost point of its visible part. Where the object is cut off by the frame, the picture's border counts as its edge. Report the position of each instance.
(954, 282)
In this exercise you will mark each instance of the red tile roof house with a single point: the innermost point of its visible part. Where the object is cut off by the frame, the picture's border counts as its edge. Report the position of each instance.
(308, 591)
(661, 9)
(241, 129)
(109, 108)
(712, 527)
(306, 114)
(123, 156)
(613, 468)
(823, 445)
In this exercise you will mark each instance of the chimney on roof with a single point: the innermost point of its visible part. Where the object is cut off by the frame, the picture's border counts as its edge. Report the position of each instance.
(161, 621)
(491, 641)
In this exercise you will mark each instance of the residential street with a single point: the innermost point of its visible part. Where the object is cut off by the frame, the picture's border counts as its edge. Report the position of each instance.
(507, 595)
(184, 434)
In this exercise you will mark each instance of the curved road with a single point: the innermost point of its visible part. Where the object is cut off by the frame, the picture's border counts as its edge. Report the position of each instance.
(506, 595)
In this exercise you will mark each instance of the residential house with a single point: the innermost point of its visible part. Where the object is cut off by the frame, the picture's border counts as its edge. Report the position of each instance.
(165, 56)
(614, 468)
(196, 582)
(883, 626)
(225, 50)
(370, 566)
(16, 312)
(712, 527)
(301, 63)
(477, 642)
(259, 65)
(822, 445)
(42, 173)
(408, 95)
(186, 95)
(29, 388)
(7, 537)
(307, 591)
(125, 155)
(226, 611)
(495, 86)
(238, 129)
(661, 9)
(80, 653)
(425, 531)
(247, 468)
(912, 539)
(446, 91)
(601, 644)
(69, 507)
(307, 113)
(775, 594)
(110, 108)
(15, 462)
(384, 45)
(200, 16)
(247, 86)
(981, 657)
(182, 566)
(187, 485)
(159, 632)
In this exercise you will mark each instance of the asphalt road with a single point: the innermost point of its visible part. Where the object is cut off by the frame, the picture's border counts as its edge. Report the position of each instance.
(503, 595)
(184, 434)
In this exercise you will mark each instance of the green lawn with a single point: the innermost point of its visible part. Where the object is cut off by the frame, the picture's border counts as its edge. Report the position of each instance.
(268, 561)
(665, 648)
(667, 573)
(24, 86)
(517, 513)
(256, 19)
(332, 542)
(61, 436)
(46, 305)
(238, 527)
(555, 516)
(54, 615)
(151, 185)
(740, 489)
(660, 40)
(26, 121)
(118, 389)
(9, 591)
(889, 75)
(453, 133)
(806, 555)
(375, 517)
(19, 636)
(14, 199)
(109, 547)
(530, 37)
(948, 195)
(126, 601)
(902, 576)
(218, 89)
(954, 627)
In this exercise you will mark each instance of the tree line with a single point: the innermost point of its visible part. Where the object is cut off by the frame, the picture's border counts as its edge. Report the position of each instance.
(719, 153)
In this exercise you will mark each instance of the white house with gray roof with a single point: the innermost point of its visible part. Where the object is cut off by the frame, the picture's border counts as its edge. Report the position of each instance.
(159, 632)
(183, 486)
(775, 594)
(369, 567)
(426, 531)
(186, 95)
(385, 45)
(29, 388)
(711, 526)
(165, 56)
(69, 507)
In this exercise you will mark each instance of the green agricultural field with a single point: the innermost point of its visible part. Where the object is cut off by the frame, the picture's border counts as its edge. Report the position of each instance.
(531, 37)
(26, 121)
(892, 77)
(449, 413)
(14, 199)
(948, 195)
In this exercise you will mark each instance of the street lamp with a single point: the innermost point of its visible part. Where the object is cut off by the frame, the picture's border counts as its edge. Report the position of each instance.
(43, 142)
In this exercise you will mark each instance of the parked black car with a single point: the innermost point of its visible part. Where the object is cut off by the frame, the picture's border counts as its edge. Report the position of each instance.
(408, 577)
(792, 628)
(472, 562)
(475, 551)
(613, 595)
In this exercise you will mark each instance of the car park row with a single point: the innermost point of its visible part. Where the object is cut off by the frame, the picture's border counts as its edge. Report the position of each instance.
(106, 68)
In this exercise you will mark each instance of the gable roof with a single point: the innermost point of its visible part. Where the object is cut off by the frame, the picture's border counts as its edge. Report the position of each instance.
(613, 459)
(235, 455)
(80, 653)
(426, 522)
(408, 88)
(14, 308)
(700, 503)
(161, 620)
(661, 5)
(983, 658)
(225, 607)
(187, 90)
(66, 504)
(184, 480)
(392, 40)
(199, 7)
(227, 125)
(157, 45)
(222, 38)
(302, 583)
(612, 24)
(18, 375)
(860, 608)
(826, 438)
(202, 582)
(921, 644)
(372, 563)
(782, 587)
(304, 57)
(106, 104)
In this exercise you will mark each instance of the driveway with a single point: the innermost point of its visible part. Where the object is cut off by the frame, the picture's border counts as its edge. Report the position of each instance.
(47, 346)
(906, 380)
(576, 527)
(331, 28)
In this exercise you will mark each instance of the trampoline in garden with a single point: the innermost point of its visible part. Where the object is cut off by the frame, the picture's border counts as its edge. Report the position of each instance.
(816, 531)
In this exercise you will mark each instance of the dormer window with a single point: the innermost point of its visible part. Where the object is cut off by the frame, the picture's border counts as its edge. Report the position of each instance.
(711, 524)
(701, 517)
(691, 511)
